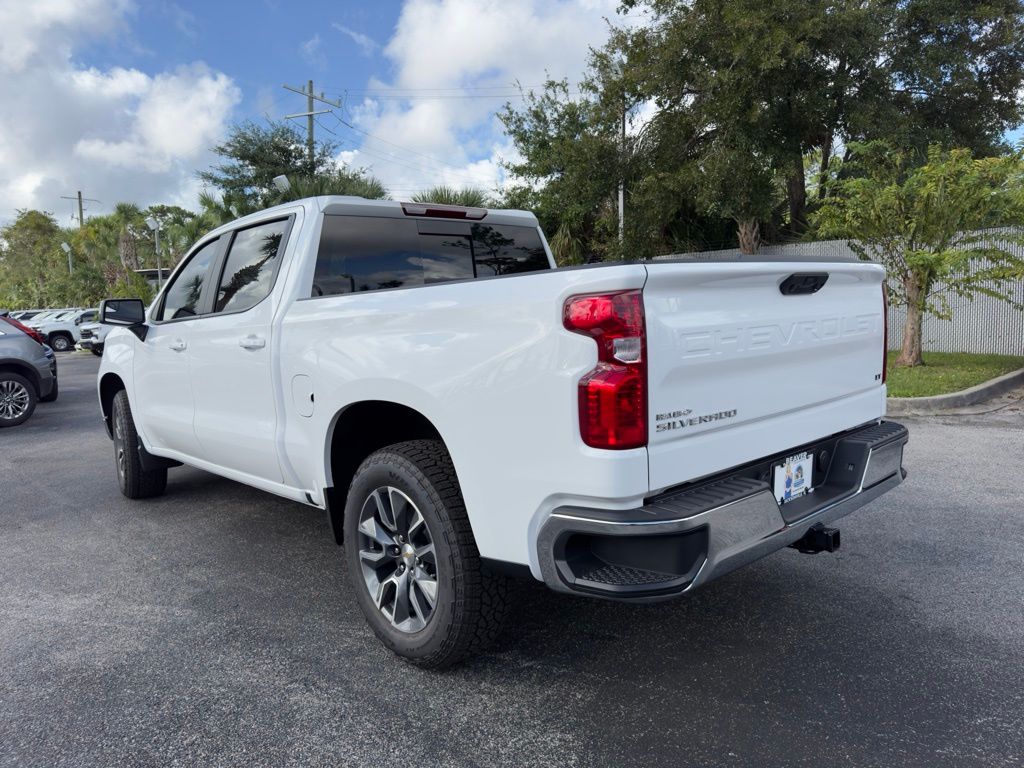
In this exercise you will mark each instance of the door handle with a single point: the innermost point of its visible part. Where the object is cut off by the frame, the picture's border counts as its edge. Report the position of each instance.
(252, 342)
(178, 345)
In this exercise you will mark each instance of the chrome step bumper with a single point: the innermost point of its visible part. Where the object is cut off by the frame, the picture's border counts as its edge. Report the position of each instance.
(685, 538)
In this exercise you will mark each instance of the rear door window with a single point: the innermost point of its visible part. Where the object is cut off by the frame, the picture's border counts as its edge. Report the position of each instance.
(250, 267)
(366, 254)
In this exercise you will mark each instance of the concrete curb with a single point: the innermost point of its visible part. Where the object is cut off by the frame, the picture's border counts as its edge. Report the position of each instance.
(899, 406)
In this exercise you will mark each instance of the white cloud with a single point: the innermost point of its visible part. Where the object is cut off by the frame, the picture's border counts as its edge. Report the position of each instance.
(311, 53)
(116, 134)
(36, 26)
(456, 62)
(366, 44)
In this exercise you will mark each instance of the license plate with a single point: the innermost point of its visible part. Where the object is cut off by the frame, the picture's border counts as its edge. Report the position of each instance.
(794, 477)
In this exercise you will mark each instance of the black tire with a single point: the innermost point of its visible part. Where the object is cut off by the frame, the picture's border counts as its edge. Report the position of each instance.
(97, 352)
(61, 342)
(135, 482)
(53, 394)
(471, 604)
(18, 399)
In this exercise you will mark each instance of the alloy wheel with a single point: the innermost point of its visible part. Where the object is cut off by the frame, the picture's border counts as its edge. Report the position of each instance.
(14, 400)
(119, 452)
(397, 559)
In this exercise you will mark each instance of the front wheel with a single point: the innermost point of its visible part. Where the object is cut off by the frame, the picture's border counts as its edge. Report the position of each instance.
(413, 561)
(60, 343)
(135, 482)
(17, 399)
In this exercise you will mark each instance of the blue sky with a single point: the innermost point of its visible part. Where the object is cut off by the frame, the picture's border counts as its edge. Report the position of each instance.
(260, 45)
(123, 98)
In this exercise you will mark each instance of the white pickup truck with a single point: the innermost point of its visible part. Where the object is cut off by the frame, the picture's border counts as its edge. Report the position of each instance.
(466, 412)
(63, 331)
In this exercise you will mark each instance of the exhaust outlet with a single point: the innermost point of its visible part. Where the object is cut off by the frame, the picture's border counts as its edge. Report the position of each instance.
(817, 539)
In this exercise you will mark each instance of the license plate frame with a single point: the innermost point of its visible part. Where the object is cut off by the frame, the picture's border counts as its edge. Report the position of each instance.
(793, 477)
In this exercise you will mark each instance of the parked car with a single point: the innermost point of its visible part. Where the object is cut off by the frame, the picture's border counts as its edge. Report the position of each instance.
(62, 331)
(92, 336)
(28, 372)
(46, 315)
(464, 411)
(25, 314)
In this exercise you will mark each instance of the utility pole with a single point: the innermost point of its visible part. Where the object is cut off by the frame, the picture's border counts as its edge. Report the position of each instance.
(618, 71)
(81, 208)
(309, 114)
(154, 224)
(622, 180)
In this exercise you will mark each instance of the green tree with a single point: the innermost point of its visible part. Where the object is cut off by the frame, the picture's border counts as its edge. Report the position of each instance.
(794, 77)
(954, 74)
(927, 224)
(29, 253)
(569, 169)
(253, 154)
(470, 197)
(736, 183)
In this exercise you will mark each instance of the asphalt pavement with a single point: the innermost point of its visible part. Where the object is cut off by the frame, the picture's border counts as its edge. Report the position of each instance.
(213, 627)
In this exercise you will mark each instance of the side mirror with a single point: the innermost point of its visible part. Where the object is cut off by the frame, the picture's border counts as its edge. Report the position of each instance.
(130, 313)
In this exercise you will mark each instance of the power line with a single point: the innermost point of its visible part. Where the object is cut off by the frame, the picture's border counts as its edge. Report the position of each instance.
(393, 144)
(413, 165)
(460, 88)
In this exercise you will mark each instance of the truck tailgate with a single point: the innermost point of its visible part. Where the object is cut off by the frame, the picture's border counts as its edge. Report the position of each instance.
(738, 370)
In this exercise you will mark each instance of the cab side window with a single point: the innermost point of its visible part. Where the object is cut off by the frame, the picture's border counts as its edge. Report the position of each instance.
(250, 266)
(182, 296)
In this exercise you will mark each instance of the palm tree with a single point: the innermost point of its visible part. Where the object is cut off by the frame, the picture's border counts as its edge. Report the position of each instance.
(181, 235)
(338, 182)
(224, 209)
(128, 218)
(469, 197)
(567, 246)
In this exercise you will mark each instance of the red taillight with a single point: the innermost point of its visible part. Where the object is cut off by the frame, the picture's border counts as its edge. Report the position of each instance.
(32, 332)
(613, 396)
(885, 330)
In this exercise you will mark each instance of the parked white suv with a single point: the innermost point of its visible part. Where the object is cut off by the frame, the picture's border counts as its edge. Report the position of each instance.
(464, 411)
(62, 331)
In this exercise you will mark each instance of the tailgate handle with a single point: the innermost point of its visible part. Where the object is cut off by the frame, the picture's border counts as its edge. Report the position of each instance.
(803, 282)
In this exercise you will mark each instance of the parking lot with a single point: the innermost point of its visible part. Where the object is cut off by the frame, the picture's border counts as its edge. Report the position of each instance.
(212, 627)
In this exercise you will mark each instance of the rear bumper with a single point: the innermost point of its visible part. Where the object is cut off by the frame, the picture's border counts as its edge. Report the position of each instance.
(688, 537)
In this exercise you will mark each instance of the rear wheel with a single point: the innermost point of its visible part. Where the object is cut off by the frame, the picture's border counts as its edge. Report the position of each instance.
(60, 342)
(135, 482)
(413, 561)
(17, 399)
